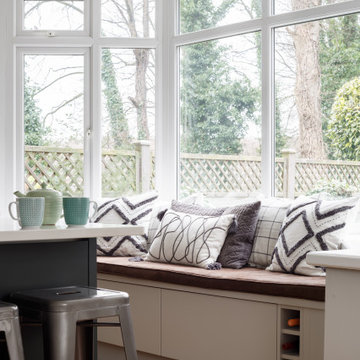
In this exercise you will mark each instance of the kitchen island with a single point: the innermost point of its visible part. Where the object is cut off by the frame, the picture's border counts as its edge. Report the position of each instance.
(49, 257)
(342, 300)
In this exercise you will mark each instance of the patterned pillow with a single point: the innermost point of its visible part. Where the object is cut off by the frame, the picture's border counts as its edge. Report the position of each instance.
(190, 239)
(131, 210)
(159, 211)
(310, 225)
(271, 216)
(238, 243)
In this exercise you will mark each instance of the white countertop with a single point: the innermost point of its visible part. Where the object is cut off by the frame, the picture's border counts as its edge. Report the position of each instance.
(341, 259)
(10, 232)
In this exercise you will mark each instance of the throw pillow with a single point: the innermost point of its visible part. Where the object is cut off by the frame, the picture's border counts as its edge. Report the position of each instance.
(159, 211)
(237, 247)
(310, 225)
(190, 239)
(271, 216)
(133, 210)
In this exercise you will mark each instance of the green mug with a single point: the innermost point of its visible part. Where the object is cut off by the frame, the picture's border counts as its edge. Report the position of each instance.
(76, 210)
(29, 211)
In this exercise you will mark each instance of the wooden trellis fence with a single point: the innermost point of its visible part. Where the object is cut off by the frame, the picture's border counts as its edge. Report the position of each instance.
(134, 171)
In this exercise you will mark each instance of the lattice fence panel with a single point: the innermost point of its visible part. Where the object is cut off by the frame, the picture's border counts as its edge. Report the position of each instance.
(219, 173)
(118, 173)
(279, 177)
(309, 174)
(152, 179)
(60, 169)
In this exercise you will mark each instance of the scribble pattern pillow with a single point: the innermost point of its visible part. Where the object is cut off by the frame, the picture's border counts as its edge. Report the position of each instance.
(133, 210)
(189, 239)
(310, 225)
(159, 211)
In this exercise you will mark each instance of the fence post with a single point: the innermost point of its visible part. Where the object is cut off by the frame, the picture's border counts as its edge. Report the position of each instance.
(289, 173)
(143, 165)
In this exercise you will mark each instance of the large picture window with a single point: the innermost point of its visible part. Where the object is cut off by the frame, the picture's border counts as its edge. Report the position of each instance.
(128, 120)
(226, 98)
(87, 123)
(220, 116)
(54, 121)
(317, 101)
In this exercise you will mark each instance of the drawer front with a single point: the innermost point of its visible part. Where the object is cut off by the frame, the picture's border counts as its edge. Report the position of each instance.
(208, 327)
(145, 312)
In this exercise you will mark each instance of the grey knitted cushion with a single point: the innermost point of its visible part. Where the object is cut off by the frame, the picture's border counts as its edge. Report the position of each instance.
(237, 247)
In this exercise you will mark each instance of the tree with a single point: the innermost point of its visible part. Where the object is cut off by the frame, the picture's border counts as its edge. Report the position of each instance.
(125, 17)
(344, 125)
(114, 104)
(215, 107)
(307, 84)
(339, 62)
(33, 129)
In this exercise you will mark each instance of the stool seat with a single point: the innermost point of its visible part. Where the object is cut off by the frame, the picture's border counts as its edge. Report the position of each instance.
(8, 311)
(9, 323)
(60, 308)
(69, 298)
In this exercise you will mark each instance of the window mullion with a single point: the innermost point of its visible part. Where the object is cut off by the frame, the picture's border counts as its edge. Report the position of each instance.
(268, 103)
(95, 95)
(96, 157)
(166, 119)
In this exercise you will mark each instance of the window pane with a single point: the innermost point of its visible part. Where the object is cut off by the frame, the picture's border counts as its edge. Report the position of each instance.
(282, 6)
(128, 18)
(220, 117)
(317, 106)
(200, 15)
(54, 15)
(53, 121)
(128, 121)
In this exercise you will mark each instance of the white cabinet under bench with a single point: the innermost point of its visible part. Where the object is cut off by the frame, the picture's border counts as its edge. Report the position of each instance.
(195, 314)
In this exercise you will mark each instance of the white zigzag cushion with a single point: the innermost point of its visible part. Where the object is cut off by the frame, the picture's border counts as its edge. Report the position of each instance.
(190, 239)
(310, 225)
(133, 210)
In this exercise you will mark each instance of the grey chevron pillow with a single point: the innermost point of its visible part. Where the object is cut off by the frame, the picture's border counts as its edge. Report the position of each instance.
(133, 210)
(310, 225)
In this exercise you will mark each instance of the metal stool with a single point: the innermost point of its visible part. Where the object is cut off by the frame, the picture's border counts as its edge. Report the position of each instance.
(59, 310)
(9, 323)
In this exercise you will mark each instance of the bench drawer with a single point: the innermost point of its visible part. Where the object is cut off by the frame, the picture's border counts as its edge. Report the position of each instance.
(196, 326)
(145, 311)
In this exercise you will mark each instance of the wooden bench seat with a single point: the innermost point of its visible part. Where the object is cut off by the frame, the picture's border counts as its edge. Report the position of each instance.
(247, 280)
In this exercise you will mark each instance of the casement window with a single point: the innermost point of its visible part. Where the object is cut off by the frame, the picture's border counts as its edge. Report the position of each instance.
(268, 97)
(85, 106)
(227, 98)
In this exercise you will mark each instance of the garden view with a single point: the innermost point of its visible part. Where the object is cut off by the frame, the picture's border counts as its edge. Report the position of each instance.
(316, 112)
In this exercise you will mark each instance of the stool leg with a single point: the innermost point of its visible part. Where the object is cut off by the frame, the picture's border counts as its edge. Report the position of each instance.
(13, 339)
(59, 336)
(127, 332)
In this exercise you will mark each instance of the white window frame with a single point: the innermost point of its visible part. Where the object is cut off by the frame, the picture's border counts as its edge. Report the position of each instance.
(14, 39)
(20, 31)
(20, 148)
(267, 25)
(90, 44)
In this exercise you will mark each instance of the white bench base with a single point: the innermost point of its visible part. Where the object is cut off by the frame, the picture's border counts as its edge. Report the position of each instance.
(190, 323)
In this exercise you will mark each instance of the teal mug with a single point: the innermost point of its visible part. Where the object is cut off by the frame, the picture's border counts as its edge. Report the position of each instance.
(76, 210)
(29, 211)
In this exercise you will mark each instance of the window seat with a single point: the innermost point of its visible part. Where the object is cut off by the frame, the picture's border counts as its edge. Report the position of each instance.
(248, 280)
(189, 313)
